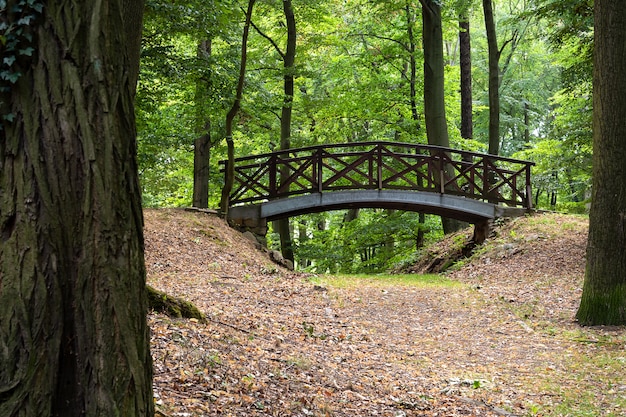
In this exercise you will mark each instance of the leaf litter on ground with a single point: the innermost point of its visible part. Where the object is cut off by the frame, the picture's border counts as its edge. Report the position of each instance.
(277, 343)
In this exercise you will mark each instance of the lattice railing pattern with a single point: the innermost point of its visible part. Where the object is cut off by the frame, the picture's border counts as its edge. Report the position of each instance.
(382, 166)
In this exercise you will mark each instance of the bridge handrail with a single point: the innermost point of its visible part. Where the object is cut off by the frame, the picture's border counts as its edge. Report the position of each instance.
(376, 143)
(317, 168)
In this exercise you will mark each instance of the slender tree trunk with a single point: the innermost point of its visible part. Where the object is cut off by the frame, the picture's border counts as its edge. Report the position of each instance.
(410, 18)
(201, 158)
(494, 79)
(282, 225)
(303, 237)
(230, 116)
(202, 144)
(526, 122)
(604, 292)
(465, 61)
(74, 340)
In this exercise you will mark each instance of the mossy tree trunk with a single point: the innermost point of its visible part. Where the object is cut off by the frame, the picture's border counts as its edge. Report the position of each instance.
(604, 293)
(74, 339)
(172, 306)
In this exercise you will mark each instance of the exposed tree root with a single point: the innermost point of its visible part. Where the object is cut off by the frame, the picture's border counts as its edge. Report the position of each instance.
(173, 306)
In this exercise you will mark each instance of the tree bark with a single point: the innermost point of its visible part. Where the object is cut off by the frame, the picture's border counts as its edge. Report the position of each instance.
(410, 20)
(494, 79)
(201, 158)
(434, 88)
(74, 340)
(230, 116)
(465, 61)
(604, 292)
(202, 144)
(283, 227)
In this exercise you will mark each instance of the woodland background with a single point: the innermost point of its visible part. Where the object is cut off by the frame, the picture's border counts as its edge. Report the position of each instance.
(358, 76)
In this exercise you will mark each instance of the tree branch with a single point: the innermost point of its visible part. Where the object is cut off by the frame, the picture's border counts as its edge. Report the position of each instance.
(384, 38)
(270, 40)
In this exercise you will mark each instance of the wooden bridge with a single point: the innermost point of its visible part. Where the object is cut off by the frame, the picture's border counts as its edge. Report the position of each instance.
(468, 186)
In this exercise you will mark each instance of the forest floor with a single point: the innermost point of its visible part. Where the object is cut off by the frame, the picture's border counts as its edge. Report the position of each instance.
(496, 336)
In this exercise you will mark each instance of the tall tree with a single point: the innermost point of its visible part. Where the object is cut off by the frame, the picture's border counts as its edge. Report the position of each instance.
(604, 292)
(465, 62)
(202, 144)
(494, 78)
(74, 340)
(412, 49)
(230, 116)
(434, 86)
(289, 57)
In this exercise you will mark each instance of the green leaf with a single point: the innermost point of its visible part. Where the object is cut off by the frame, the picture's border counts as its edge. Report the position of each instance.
(26, 51)
(12, 77)
(25, 20)
(9, 60)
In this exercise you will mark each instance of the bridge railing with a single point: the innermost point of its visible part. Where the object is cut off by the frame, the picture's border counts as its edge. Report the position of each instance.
(382, 166)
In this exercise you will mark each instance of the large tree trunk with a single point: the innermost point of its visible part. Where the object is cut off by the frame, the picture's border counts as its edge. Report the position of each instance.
(494, 79)
(604, 293)
(434, 88)
(74, 340)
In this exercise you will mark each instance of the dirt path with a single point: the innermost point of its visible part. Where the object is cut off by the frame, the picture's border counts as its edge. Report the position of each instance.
(501, 341)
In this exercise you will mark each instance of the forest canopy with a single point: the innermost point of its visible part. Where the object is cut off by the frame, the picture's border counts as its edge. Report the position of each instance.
(358, 76)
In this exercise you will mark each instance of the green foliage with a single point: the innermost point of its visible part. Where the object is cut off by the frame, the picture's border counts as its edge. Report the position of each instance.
(375, 241)
(172, 74)
(353, 83)
(17, 23)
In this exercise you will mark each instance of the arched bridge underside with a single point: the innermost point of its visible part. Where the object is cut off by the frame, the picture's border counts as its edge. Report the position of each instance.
(461, 208)
(467, 186)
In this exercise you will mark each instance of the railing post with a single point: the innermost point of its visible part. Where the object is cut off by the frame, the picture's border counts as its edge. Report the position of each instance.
(486, 179)
(380, 166)
(272, 171)
(441, 175)
(529, 190)
(320, 177)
